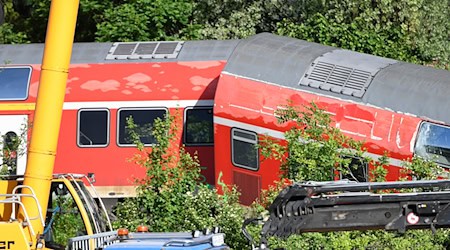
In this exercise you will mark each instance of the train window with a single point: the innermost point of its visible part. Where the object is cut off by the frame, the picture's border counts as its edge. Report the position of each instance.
(93, 128)
(199, 128)
(433, 143)
(10, 147)
(243, 149)
(143, 119)
(14, 83)
(357, 170)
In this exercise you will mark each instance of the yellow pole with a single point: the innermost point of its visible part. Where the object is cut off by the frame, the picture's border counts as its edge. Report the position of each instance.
(47, 119)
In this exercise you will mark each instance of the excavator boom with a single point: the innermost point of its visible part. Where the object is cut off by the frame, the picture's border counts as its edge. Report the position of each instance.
(343, 205)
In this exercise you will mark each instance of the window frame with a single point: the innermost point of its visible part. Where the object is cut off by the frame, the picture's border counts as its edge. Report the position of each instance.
(256, 142)
(108, 127)
(364, 164)
(422, 123)
(118, 124)
(27, 91)
(185, 126)
(77, 205)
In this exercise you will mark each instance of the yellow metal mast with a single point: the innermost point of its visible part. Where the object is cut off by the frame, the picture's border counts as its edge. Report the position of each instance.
(49, 104)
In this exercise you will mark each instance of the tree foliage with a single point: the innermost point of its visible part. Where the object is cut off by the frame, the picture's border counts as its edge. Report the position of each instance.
(410, 30)
(395, 29)
(170, 196)
(417, 239)
(67, 214)
(314, 149)
(13, 146)
(420, 169)
(143, 20)
(313, 153)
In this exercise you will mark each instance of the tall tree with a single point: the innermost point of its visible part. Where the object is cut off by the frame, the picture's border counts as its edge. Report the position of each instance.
(145, 20)
(410, 30)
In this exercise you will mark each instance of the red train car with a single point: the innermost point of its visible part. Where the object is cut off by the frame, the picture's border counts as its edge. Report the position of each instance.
(106, 84)
(393, 106)
(232, 88)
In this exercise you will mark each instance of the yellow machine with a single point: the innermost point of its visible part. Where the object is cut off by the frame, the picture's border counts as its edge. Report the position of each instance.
(71, 212)
(40, 210)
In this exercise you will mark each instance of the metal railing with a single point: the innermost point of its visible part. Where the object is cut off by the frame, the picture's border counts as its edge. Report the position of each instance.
(15, 199)
(92, 242)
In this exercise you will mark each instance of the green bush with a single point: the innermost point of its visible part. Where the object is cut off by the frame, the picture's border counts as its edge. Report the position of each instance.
(170, 196)
(312, 152)
(375, 240)
(314, 149)
(68, 215)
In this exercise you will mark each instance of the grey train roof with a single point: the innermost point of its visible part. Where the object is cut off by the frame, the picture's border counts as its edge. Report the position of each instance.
(105, 52)
(348, 75)
(284, 61)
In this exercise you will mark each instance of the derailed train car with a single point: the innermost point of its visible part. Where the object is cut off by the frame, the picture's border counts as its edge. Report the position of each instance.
(107, 83)
(224, 95)
(395, 107)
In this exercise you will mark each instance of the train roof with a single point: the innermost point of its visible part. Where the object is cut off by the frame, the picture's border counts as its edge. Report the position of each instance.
(207, 50)
(344, 74)
(288, 62)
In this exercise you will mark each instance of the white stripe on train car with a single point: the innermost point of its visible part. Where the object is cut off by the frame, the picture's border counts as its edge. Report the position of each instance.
(137, 104)
(250, 127)
(280, 135)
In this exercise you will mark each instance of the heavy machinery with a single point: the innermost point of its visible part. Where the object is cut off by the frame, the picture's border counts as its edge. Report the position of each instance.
(40, 210)
(69, 201)
(311, 207)
(345, 205)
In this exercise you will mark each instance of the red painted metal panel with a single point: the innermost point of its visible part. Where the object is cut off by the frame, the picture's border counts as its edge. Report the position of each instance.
(244, 102)
(138, 81)
(121, 83)
(248, 185)
(238, 102)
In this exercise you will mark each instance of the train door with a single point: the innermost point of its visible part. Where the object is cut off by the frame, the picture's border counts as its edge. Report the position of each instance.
(14, 87)
(198, 138)
(13, 143)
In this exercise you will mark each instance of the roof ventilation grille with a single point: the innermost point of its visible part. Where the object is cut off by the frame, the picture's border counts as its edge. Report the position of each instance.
(337, 78)
(144, 50)
(344, 72)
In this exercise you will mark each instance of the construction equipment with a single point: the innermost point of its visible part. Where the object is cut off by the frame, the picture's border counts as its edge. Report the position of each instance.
(345, 205)
(40, 210)
(25, 221)
(69, 201)
(313, 207)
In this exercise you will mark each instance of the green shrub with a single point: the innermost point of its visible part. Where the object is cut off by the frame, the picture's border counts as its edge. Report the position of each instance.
(68, 215)
(312, 152)
(170, 196)
(314, 149)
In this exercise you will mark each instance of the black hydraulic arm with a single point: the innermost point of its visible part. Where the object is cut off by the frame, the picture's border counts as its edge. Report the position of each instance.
(343, 205)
